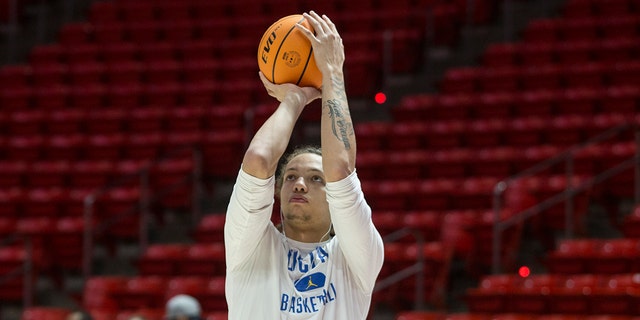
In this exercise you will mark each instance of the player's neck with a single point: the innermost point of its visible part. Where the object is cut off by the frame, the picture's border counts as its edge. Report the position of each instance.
(307, 236)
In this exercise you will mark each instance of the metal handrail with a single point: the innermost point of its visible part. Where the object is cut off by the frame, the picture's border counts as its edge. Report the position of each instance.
(25, 269)
(570, 191)
(144, 204)
(414, 269)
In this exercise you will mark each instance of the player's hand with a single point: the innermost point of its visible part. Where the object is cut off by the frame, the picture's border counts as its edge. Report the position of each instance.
(328, 48)
(303, 95)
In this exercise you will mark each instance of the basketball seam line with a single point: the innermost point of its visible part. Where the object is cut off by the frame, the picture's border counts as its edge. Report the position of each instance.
(305, 65)
(273, 69)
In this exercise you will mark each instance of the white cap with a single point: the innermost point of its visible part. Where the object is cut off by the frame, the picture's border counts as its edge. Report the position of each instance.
(183, 305)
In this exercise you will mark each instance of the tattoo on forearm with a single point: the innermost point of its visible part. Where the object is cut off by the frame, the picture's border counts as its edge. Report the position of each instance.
(340, 125)
(339, 89)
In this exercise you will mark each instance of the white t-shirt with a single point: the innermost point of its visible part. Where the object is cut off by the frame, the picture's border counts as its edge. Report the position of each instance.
(271, 277)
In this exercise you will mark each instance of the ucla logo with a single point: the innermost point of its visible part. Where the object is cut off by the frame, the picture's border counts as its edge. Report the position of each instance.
(310, 282)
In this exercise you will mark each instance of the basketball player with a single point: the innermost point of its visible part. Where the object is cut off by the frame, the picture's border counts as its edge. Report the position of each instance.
(324, 261)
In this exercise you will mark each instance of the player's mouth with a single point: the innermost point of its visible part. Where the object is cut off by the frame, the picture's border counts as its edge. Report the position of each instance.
(298, 199)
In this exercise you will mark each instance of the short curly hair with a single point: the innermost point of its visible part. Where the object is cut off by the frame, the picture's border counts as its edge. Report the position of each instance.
(284, 160)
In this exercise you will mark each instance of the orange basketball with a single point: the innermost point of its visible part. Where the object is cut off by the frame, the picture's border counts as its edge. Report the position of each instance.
(285, 55)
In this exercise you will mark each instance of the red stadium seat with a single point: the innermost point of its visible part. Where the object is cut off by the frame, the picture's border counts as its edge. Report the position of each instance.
(83, 53)
(161, 259)
(420, 315)
(213, 298)
(17, 98)
(120, 206)
(99, 292)
(75, 33)
(67, 243)
(145, 145)
(569, 257)
(502, 54)
(216, 315)
(64, 122)
(26, 148)
(146, 313)
(12, 260)
(83, 73)
(49, 74)
(91, 174)
(631, 223)
(48, 174)
(192, 285)
(43, 202)
(16, 75)
(26, 122)
(204, 259)
(88, 97)
(210, 228)
(12, 174)
(162, 71)
(145, 121)
(572, 295)
(162, 94)
(104, 146)
(45, 313)
(614, 296)
(615, 256)
(222, 152)
(491, 294)
(142, 292)
(171, 180)
(467, 316)
(115, 50)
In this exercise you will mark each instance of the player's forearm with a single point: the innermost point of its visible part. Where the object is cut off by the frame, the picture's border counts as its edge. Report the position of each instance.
(338, 138)
(271, 140)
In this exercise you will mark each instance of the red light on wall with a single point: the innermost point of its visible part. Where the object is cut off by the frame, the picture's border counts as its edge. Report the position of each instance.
(380, 98)
(524, 271)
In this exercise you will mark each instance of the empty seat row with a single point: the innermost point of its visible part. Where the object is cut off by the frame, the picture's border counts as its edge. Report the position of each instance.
(119, 293)
(221, 151)
(41, 179)
(436, 258)
(48, 205)
(150, 10)
(59, 313)
(117, 146)
(113, 73)
(500, 162)
(225, 27)
(623, 99)
(438, 315)
(593, 8)
(153, 121)
(581, 294)
(630, 225)
(197, 259)
(599, 256)
(186, 51)
(454, 193)
(131, 95)
(584, 28)
(548, 76)
(559, 131)
(566, 52)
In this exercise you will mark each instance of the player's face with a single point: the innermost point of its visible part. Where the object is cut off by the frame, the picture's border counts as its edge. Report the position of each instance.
(303, 198)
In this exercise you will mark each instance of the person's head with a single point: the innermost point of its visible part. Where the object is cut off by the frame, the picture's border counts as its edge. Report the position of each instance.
(79, 315)
(301, 191)
(182, 307)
